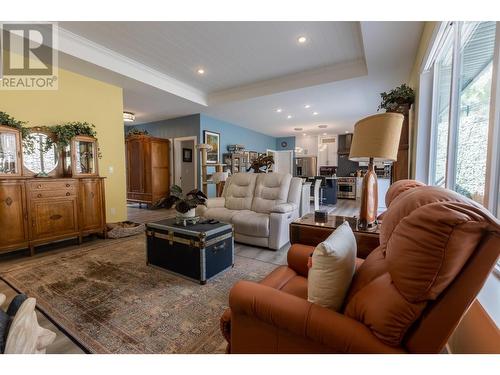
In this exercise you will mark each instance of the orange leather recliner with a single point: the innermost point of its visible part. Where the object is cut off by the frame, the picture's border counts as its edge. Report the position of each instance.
(436, 250)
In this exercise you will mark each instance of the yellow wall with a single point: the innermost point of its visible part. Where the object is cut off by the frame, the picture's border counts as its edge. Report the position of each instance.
(81, 98)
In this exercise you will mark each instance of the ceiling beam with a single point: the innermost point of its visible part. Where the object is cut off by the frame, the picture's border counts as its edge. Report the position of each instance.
(294, 81)
(82, 48)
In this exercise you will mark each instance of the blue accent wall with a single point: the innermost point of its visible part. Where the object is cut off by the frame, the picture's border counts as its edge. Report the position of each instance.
(290, 143)
(194, 125)
(232, 134)
(174, 128)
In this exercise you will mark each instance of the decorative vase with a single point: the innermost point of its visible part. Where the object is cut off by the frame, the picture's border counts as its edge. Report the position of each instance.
(191, 213)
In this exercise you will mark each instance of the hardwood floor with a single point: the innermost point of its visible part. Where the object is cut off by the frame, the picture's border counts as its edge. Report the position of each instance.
(64, 345)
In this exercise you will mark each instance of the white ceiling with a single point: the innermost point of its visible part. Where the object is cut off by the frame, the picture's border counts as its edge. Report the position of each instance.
(390, 49)
(251, 68)
(231, 53)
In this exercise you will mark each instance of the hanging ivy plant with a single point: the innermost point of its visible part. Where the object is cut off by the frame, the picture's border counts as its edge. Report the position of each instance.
(397, 97)
(135, 131)
(63, 133)
(7, 120)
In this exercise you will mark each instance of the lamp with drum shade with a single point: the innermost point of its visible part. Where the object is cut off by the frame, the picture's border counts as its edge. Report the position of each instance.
(375, 139)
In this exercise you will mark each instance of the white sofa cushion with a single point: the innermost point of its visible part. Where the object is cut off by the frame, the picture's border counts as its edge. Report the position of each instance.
(284, 208)
(333, 265)
(219, 213)
(239, 193)
(271, 189)
(251, 223)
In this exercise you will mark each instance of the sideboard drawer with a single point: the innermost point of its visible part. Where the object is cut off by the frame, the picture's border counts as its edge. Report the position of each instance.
(53, 185)
(44, 194)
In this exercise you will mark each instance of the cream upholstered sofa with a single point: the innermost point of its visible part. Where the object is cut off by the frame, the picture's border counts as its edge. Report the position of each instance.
(259, 205)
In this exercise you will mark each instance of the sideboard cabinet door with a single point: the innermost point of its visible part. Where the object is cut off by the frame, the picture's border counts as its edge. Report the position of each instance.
(91, 204)
(13, 233)
(53, 218)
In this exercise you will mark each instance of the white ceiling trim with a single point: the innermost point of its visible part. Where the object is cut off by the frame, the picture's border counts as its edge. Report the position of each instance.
(294, 81)
(82, 48)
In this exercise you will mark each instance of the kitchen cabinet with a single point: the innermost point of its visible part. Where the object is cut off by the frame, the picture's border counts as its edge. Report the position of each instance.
(327, 150)
(306, 145)
(344, 144)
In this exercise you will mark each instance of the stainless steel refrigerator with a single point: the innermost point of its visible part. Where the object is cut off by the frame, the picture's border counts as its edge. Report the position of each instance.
(305, 166)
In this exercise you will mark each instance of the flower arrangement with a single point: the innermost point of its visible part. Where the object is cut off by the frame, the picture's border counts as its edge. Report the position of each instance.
(395, 98)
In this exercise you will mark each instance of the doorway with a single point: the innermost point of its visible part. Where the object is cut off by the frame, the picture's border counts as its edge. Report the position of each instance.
(185, 163)
(283, 161)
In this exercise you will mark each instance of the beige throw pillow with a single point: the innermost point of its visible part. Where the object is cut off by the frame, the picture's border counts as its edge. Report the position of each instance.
(333, 266)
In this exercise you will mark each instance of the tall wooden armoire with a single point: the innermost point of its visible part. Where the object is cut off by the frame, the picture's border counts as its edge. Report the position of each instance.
(400, 168)
(148, 168)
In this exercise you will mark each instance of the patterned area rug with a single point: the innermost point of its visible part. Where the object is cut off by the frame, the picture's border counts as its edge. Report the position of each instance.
(107, 298)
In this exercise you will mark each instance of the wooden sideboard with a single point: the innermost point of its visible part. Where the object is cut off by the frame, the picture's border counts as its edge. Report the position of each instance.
(48, 194)
(35, 211)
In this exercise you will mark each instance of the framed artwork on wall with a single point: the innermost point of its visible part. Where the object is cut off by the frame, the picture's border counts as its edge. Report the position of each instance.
(213, 139)
(187, 155)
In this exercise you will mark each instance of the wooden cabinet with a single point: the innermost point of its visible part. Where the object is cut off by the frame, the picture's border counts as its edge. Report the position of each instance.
(35, 211)
(53, 218)
(39, 210)
(148, 168)
(91, 204)
(10, 152)
(13, 215)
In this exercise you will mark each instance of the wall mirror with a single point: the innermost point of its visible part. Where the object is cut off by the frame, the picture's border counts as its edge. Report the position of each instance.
(43, 157)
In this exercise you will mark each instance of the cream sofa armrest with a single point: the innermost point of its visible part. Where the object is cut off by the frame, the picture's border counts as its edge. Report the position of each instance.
(218, 202)
(283, 208)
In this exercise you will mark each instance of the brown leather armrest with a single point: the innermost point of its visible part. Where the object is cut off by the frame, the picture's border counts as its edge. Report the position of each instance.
(304, 319)
(297, 258)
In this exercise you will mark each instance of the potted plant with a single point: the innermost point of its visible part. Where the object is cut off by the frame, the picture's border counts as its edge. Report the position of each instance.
(185, 204)
(399, 99)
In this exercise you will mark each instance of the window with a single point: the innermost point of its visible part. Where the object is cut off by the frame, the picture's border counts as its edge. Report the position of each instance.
(463, 71)
(442, 110)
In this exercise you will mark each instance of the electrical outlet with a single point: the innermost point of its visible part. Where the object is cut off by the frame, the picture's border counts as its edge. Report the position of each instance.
(111, 169)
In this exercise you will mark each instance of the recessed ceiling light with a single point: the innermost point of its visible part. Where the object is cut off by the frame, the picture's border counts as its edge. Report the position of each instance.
(298, 129)
(301, 39)
(347, 131)
(307, 106)
(304, 134)
(279, 110)
(324, 133)
(201, 71)
(315, 113)
(289, 116)
(322, 126)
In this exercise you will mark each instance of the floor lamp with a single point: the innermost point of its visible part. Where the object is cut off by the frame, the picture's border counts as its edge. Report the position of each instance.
(375, 139)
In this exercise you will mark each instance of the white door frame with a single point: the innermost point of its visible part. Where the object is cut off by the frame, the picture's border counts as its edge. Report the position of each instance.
(177, 158)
